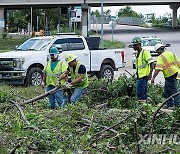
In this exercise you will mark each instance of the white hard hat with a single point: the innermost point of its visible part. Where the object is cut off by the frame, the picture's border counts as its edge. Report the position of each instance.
(157, 46)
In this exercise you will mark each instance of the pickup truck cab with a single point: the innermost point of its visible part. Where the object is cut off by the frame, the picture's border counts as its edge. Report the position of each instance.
(25, 64)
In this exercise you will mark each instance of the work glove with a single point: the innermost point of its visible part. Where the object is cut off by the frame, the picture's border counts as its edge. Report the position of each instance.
(68, 85)
(58, 83)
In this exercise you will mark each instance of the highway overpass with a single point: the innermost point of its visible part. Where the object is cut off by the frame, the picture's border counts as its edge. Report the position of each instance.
(24, 3)
(85, 4)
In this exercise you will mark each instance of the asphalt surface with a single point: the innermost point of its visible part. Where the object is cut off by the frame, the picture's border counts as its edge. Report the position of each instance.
(125, 34)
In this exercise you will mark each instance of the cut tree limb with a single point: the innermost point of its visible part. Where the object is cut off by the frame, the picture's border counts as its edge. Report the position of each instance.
(41, 96)
(108, 128)
(13, 151)
(23, 116)
(33, 99)
(154, 116)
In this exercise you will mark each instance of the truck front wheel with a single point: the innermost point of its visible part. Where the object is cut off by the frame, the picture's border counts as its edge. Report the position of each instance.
(34, 77)
(106, 72)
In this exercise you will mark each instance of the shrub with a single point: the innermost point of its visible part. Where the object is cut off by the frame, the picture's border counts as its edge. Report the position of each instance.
(4, 35)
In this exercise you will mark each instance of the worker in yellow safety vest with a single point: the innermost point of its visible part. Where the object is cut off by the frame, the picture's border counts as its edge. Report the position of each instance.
(79, 78)
(168, 63)
(51, 73)
(144, 67)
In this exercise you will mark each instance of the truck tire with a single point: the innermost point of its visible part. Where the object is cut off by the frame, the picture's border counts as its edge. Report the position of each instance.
(106, 72)
(34, 76)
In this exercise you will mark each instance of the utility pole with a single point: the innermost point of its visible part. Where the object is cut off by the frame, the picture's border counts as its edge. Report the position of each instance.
(31, 19)
(37, 24)
(59, 14)
(102, 21)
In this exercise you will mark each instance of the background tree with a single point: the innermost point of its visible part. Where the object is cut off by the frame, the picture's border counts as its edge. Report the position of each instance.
(97, 13)
(47, 19)
(107, 13)
(128, 12)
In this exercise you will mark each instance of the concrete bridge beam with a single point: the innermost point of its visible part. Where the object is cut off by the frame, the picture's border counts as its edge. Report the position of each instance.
(174, 8)
(84, 8)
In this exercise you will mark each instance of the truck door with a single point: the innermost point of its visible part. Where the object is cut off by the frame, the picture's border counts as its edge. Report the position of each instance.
(77, 47)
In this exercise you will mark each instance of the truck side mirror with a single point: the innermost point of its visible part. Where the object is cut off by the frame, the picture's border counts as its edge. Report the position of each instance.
(168, 45)
(59, 47)
(16, 47)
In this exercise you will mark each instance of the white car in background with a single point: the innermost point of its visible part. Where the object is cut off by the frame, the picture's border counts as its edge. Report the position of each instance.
(148, 43)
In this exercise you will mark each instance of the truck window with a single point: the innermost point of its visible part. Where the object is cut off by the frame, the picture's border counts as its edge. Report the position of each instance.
(63, 42)
(76, 44)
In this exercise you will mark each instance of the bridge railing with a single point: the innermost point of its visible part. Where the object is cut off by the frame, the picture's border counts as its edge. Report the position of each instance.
(120, 20)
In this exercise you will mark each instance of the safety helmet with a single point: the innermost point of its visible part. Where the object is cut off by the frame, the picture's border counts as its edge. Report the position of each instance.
(54, 50)
(158, 46)
(136, 40)
(70, 57)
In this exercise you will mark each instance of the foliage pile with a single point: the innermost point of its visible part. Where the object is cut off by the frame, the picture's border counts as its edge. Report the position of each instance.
(107, 120)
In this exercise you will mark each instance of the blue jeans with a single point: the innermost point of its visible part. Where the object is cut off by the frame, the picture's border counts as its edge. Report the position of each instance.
(56, 97)
(77, 94)
(141, 88)
(170, 88)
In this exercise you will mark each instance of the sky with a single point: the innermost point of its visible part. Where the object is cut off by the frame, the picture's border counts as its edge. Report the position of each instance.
(159, 10)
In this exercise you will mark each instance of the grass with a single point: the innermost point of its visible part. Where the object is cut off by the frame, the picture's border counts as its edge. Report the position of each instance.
(23, 91)
(113, 44)
(9, 44)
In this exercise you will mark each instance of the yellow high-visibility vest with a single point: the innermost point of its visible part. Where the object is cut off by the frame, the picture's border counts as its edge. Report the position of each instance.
(169, 64)
(74, 74)
(52, 76)
(143, 62)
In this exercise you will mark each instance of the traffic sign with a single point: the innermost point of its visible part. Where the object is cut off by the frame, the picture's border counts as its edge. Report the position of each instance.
(112, 24)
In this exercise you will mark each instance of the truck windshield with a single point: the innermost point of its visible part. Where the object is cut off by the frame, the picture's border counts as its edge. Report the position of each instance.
(151, 42)
(34, 44)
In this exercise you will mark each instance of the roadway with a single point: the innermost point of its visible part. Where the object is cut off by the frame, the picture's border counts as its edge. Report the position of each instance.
(125, 34)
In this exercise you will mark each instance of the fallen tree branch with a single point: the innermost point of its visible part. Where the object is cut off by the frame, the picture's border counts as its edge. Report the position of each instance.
(15, 148)
(108, 128)
(98, 109)
(33, 99)
(154, 116)
(20, 111)
(88, 125)
(100, 89)
(137, 137)
(23, 116)
(166, 150)
(41, 96)
(129, 73)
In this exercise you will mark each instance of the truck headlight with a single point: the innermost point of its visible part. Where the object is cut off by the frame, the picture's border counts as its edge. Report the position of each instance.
(18, 63)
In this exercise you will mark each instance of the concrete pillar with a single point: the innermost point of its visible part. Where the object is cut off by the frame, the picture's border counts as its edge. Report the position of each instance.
(89, 18)
(5, 20)
(84, 8)
(2, 20)
(59, 22)
(174, 8)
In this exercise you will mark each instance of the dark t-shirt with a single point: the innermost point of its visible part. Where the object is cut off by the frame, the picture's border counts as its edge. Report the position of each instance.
(82, 69)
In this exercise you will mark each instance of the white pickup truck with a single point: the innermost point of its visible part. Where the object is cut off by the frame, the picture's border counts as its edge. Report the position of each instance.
(25, 64)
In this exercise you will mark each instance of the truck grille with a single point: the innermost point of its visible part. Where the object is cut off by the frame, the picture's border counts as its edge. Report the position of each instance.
(6, 64)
